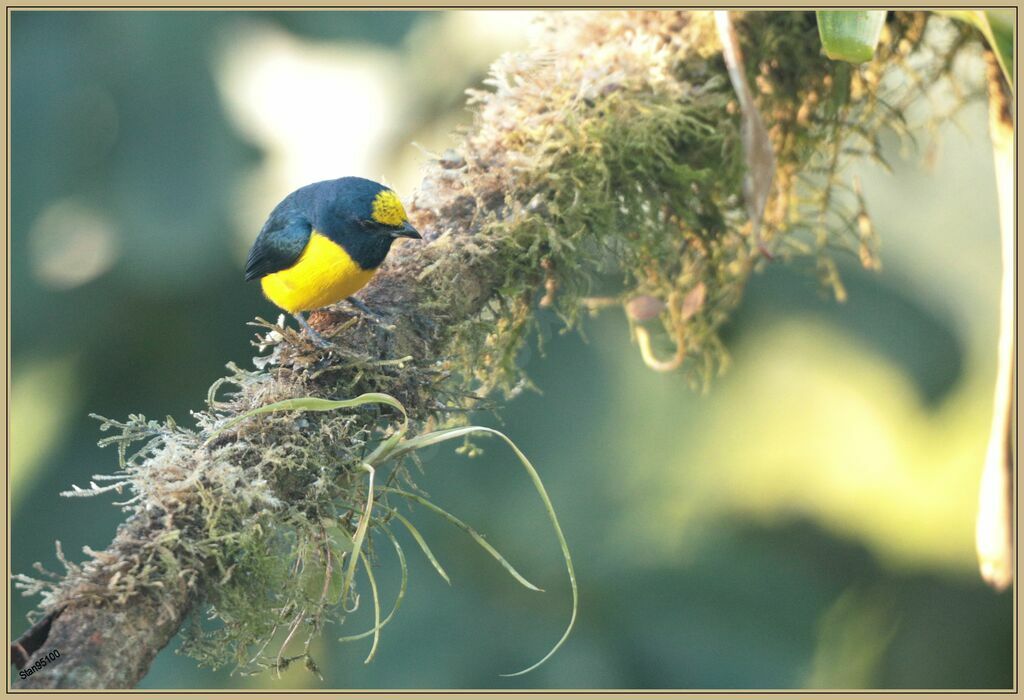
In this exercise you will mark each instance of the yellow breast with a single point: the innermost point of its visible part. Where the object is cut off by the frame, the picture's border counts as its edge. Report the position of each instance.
(324, 275)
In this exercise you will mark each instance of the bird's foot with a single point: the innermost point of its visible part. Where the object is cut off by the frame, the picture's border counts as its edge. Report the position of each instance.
(380, 318)
(317, 339)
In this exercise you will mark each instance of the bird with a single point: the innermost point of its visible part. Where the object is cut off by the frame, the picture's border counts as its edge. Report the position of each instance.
(324, 242)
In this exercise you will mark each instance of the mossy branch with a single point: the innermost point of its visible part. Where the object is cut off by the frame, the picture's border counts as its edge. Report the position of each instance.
(610, 150)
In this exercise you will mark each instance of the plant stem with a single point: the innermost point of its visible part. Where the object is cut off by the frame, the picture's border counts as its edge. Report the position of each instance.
(994, 529)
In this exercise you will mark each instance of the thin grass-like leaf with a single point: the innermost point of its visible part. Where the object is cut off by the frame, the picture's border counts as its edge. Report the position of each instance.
(468, 529)
(454, 433)
(419, 540)
(359, 536)
(401, 591)
(376, 607)
(311, 403)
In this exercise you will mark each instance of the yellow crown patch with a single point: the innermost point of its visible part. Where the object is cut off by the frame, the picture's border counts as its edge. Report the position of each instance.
(388, 210)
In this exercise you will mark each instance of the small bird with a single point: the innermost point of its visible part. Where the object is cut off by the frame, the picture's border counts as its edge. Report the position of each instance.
(324, 242)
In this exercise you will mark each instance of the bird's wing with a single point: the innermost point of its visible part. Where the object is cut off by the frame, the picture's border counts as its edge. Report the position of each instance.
(278, 246)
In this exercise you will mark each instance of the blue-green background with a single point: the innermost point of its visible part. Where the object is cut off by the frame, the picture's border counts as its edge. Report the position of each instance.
(806, 523)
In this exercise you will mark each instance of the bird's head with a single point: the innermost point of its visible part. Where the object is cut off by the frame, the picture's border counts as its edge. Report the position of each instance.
(384, 214)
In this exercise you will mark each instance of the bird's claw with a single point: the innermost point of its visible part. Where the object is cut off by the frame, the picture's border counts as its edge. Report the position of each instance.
(386, 322)
(317, 339)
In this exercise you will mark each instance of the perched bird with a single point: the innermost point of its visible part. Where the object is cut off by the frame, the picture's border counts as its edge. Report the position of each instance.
(324, 242)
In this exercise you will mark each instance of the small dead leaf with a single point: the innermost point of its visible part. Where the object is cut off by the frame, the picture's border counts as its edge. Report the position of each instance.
(644, 308)
(694, 301)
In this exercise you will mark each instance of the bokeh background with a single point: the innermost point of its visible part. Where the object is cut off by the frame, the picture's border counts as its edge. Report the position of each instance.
(807, 523)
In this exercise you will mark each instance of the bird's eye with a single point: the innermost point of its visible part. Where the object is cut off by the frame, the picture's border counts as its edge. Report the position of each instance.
(371, 225)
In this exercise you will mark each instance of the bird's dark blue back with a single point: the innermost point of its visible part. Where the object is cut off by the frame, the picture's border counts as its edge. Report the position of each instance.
(334, 207)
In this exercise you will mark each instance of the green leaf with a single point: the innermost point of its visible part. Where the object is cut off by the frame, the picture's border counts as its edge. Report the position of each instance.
(850, 35)
(310, 403)
(998, 32)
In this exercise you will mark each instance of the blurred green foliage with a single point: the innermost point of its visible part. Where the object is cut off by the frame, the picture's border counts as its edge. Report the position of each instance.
(808, 523)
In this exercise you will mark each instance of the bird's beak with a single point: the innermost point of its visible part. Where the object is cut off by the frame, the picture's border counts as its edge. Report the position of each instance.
(406, 231)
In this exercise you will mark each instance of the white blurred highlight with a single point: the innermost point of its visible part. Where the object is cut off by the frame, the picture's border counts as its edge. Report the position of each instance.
(70, 244)
(317, 111)
(320, 110)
